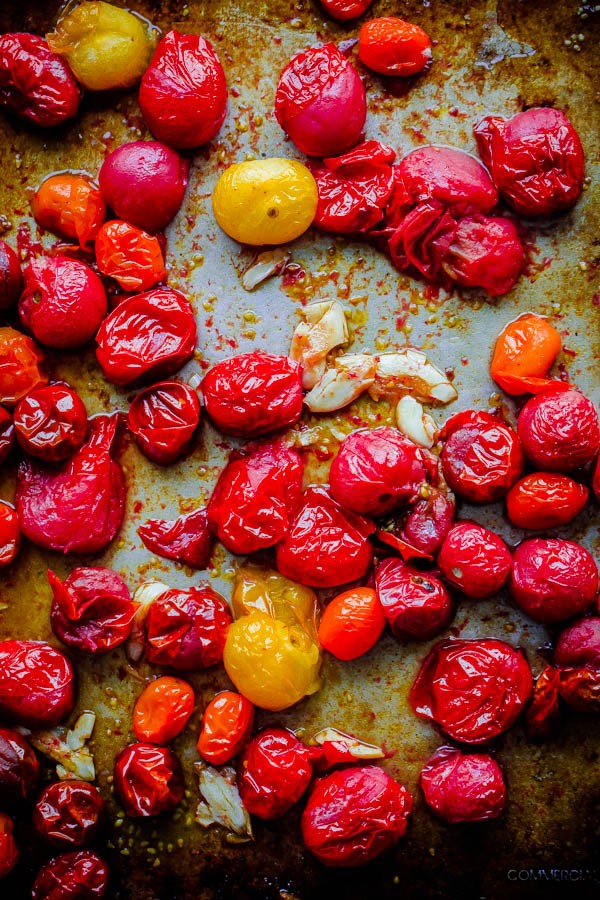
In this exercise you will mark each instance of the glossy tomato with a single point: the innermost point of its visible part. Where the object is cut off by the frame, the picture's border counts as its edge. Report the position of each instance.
(475, 560)
(9, 852)
(543, 711)
(11, 278)
(523, 353)
(50, 422)
(580, 688)
(391, 46)
(163, 419)
(226, 727)
(420, 531)
(130, 255)
(10, 533)
(545, 500)
(36, 683)
(579, 644)
(422, 239)
(485, 252)
(19, 769)
(148, 780)
(80, 875)
(416, 604)
(68, 814)
(70, 205)
(22, 366)
(463, 787)
(343, 10)
(352, 623)
(559, 430)
(162, 710)
(7, 433)
(274, 772)
(187, 539)
(257, 587)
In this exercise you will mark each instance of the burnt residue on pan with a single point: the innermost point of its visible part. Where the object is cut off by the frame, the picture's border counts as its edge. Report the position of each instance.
(490, 56)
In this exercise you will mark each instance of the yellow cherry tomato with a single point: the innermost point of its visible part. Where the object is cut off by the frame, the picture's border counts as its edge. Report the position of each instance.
(107, 47)
(272, 664)
(265, 201)
(264, 589)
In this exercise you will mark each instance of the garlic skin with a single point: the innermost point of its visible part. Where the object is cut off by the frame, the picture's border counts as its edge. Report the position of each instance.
(409, 371)
(220, 802)
(350, 376)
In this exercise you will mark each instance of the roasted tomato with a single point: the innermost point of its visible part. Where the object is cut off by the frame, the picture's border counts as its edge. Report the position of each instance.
(162, 710)
(422, 239)
(148, 780)
(79, 506)
(68, 814)
(416, 604)
(80, 875)
(354, 814)
(257, 587)
(523, 354)
(144, 182)
(481, 458)
(579, 644)
(35, 83)
(475, 560)
(146, 337)
(183, 94)
(186, 629)
(321, 102)
(545, 500)
(11, 277)
(253, 394)
(474, 690)
(50, 422)
(22, 366)
(559, 430)
(343, 10)
(92, 610)
(391, 46)
(461, 787)
(19, 769)
(10, 534)
(186, 539)
(63, 301)
(595, 479)
(352, 623)
(9, 852)
(130, 255)
(543, 710)
(163, 419)
(274, 772)
(7, 433)
(485, 252)
(326, 545)
(420, 532)
(226, 727)
(36, 683)
(553, 580)
(70, 205)
(536, 160)
(256, 497)
(580, 688)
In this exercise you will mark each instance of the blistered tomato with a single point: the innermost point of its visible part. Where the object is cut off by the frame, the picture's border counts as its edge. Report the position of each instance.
(559, 430)
(19, 769)
(392, 46)
(580, 688)
(260, 588)
(148, 780)
(187, 538)
(36, 683)
(9, 852)
(343, 10)
(186, 629)
(162, 710)
(463, 787)
(275, 770)
(579, 644)
(10, 534)
(474, 559)
(131, 256)
(486, 252)
(523, 353)
(226, 727)
(50, 422)
(11, 278)
(35, 83)
(352, 623)
(22, 366)
(68, 204)
(545, 500)
(68, 814)
(80, 875)
(416, 604)
(420, 531)
(543, 710)
(7, 433)
(163, 419)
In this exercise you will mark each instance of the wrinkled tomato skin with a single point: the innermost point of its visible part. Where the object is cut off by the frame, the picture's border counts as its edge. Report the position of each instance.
(148, 780)
(475, 560)
(187, 629)
(552, 579)
(545, 500)
(10, 534)
(543, 711)
(274, 772)
(473, 689)
(7, 434)
(69, 205)
(22, 366)
(130, 255)
(80, 875)
(162, 710)
(326, 546)
(50, 422)
(353, 815)
(485, 252)
(226, 727)
(344, 10)
(394, 47)
(580, 688)
(559, 430)
(427, 522)
(183, 93)
(579, 644)
(19, 769)
(535, 158)
(253, 394)
(187, 539)
(463, 787)
(35, 83)
(36, 684)
(11, 277)
(595, 479)
(163, 419)
(255, 498)
(9, 852)
(416, 604)
(523, 354)
(422, 239)
(68, 814)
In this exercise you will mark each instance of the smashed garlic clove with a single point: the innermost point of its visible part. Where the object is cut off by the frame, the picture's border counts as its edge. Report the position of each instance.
(263, 266)
(409, 371)
(144, 596)
(325, 329)
(220, 801)
(415, 423)
(357, 748)
(339, 386)
(67, 747)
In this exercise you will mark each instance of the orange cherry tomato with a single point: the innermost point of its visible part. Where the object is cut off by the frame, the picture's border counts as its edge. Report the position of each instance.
(352, 623)
(391, 46)
(162, 710)
(21, 366)
(226, 727)
(524, 352)
(131, 256)
(71, 206)
(545, 500)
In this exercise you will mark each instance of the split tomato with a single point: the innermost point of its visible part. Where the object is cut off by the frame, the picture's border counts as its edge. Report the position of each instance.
(523, 353)
(22, 366)
(68, 814)
(148, 780)
(187, 539)
(70, 205)
(50, 422)
(187, 629)
(163, 419)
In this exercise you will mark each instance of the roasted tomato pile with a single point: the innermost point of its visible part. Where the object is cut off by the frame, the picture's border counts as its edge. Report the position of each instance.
(379, 545)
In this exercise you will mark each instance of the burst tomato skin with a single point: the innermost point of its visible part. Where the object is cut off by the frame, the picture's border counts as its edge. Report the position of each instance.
(36, 683)
(50, 422)
(163, 419)
(553, 579)
(579, 644)
(545, 500)
(416, 604)
(22, 366)
(275, 771)
(9, 852)
(68, 814)
(253, 394)
(7, 434)
(580, 688)
(559, 430)
(148, 780)
(422, 239)
(226, 727)
(11, 277)
(19, 769)
(187, 539)
(352, 623)
(485, 252)
(10, 534)
(69, 204)
(344, 10)
(523, 353)
(475, 560)
(391, 46)
(463, 787)
(130, 255)
(186, 629)
(80, 875)
(354, 814)
(426, 524)
(543, 710)
(162, 710)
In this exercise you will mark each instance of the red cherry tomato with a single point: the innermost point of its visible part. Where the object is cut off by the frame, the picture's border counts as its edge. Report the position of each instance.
(474, 690)
(187, 629)
(252, 394)
(50, 422)
(352, 623)
(326, 545)
(475, 560)
(226, 727)
(256, 497)
(579, 644)
(68, 204)
(595, 479)
(130, 255)
(422, 240)
(543, 711)
(391, 46)
(19, 769)
(461, 787)
(148, 780)
(68, 814)
(7, 434)
(320, 101)
(146, 337)
(485, 252)
(10, 534)
(144, 182)
(481, 458)
(163, 419)
(523, 354)
(536, 160)
(11, 278)
(354, 814)
(186, 539)
(343, 10)
(9, 852)
(553, 580)
(162, 710)
(580, 688)
(79, 506)
(354, 189)
(416, 604)
(559, 430)
(22, 366)
(36, 683)
(274, 772)
(420, 532)
(35, 83)
(183, 93)
(545, 500)
(80, 875)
